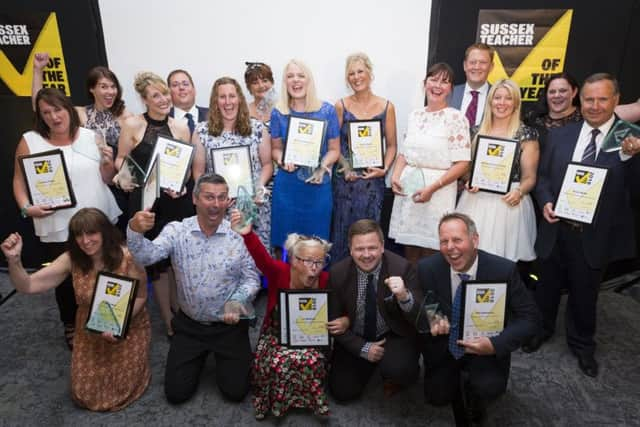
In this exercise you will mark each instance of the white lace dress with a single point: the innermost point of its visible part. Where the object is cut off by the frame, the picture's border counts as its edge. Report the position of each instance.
(434, 141)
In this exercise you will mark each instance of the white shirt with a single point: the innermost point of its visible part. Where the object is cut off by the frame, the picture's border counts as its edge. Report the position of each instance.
(455, 279)
(179, 113)
(585, 137)
(483, 91)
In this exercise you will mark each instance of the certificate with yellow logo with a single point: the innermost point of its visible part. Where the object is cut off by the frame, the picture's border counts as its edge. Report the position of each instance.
(234, 164)
(47, 180)
(112, 304)
(304, 141)
(579, 195)
(493, 160)
(303, 317)
(365, 144)
(483, 309)
(175, 162)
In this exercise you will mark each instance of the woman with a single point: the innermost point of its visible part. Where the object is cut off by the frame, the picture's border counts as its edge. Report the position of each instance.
(506, 223)
(229, 125)
(437, 151)
(259, 81)
(106, 374)
(105, 116)
(358, 196)
(559, 104)
(57, 126)
(137, 140)
(286, 378)
(300, 194)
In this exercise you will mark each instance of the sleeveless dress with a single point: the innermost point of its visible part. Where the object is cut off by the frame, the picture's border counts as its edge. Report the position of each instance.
(360, 199)
(434, 141)
(297, 206)
(82, 158)
(167, 209)
(262, 225)
(506, 231)
(107, 376)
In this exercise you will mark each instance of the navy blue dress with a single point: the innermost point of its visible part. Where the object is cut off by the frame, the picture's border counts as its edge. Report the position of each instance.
(360, 199)
(297, 206)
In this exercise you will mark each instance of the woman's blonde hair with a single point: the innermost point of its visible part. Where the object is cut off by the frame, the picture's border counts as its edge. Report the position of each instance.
(296, 241)
(312, 102)
(358, 57)
(145, 79)
(487, 120)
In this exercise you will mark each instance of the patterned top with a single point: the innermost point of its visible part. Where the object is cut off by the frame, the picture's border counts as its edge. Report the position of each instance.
(524, 133)
(549, 123)
(427, 132)
(209, 270)
(103, 121)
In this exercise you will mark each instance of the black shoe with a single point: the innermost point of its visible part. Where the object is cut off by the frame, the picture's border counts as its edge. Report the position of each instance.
(588, 365)
(476, 411)
(534, 343)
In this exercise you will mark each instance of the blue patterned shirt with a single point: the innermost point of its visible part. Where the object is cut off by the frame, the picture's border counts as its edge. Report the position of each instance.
(209, 270)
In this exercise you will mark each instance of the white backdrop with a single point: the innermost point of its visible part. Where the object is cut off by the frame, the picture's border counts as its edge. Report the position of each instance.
(212, 39)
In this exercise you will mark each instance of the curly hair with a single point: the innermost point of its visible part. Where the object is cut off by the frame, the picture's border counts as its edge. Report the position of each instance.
(92, 220)
(243, 120)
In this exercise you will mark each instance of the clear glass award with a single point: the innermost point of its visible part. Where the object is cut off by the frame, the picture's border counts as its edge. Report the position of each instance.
(428, 313)
(246, 205)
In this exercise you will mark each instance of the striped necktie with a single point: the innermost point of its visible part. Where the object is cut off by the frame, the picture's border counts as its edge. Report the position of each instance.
(589, 155)
(456, 350)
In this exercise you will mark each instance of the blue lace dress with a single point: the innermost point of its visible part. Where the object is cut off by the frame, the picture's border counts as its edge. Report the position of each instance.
(297, 206)
(360, 199)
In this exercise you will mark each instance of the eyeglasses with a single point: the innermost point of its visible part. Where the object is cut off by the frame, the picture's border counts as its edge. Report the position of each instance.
(311, 263)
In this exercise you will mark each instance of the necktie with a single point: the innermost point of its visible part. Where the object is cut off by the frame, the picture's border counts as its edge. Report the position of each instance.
(589, 155)
(370, 311)
(190, 123)
(456, 351)
(472, 109)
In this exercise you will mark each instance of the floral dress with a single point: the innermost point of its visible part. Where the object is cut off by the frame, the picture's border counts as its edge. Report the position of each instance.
(262, 225)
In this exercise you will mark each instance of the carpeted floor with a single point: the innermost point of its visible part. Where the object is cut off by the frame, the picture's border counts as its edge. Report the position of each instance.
(546, 388)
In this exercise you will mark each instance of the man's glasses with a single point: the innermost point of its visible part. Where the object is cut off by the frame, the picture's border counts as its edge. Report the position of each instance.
(311, 263)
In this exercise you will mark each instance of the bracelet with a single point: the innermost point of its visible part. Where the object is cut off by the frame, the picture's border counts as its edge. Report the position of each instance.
(327, 168)
(520, 191)
(24, 211)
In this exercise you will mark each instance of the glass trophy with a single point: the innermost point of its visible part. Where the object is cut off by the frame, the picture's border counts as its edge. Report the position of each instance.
(428, 313)
(246, 205)
(412, 180)
(130, 176)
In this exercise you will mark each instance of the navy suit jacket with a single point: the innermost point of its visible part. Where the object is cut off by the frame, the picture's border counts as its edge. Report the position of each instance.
(202, 113)
(611, 236)
(455, 100)
(522, 315)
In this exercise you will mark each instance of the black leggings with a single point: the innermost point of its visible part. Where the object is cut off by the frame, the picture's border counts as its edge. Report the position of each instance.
(65, 296)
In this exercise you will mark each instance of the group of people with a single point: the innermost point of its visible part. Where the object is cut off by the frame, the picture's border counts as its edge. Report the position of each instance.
(206, 267)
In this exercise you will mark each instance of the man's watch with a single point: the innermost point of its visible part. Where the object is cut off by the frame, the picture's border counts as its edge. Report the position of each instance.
(24, 210)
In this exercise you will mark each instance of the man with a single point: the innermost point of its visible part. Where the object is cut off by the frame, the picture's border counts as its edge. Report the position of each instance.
(217, 282)
(482, 363)
(369, 287)
(575, 255)
(183, 96)
(471, 96)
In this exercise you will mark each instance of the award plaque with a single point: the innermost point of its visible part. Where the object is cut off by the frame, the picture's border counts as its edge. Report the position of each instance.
(621, 129)
(492, 166)
(579, 195)
(112, 304)
(47, 179)
(304, 315)
(234, 164)
(411, 180)
(304, 141)
(175, 161)
(428, 313)
(365, 144)
(151, 187)
(483, 309)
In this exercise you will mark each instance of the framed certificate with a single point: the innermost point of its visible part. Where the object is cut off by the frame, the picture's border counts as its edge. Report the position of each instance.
(304, 141)
(151, 187)
(112, 304)
(305, 316)
(493, 160)
(234, 164)
(621, 129)
(47, 179)
(483, 309)
(365, 144)
(580, 192)
(175, 162)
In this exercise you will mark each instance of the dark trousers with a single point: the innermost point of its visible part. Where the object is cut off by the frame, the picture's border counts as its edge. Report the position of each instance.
(485, 377)
(188, 353)
(65, 297)
(567, 267)
(349, 373)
